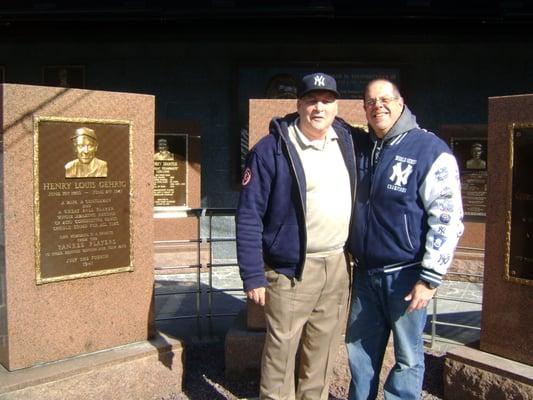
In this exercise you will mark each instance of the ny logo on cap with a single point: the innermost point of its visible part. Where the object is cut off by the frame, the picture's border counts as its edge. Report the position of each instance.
(319, 80)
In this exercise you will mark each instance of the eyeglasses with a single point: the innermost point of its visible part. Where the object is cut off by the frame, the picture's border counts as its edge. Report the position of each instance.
(383, 100)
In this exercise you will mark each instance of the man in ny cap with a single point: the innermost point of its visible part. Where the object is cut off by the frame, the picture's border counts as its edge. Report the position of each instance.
(292, 224)
(86, 165)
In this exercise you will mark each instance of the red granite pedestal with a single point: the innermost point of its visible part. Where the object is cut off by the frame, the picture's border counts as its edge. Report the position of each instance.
(173, 227)
(66, 321)
(502, 367)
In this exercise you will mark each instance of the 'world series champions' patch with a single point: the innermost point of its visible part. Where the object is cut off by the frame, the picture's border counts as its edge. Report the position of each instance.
(247, 176)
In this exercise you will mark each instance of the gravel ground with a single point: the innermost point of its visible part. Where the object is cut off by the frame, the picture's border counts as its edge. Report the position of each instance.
(205, 380)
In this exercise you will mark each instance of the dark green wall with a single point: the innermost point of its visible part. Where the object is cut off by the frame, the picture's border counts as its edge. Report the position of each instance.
(445, 79)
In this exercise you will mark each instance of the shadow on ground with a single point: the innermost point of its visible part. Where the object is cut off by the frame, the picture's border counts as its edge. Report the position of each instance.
(205, 379)
(433, 377)
(204, 375)
(190, 312)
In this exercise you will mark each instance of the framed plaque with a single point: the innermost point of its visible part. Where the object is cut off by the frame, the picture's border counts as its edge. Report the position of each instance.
(471, 156)
(82, 178)
(519, 238)
(170, 170)
(68, 76)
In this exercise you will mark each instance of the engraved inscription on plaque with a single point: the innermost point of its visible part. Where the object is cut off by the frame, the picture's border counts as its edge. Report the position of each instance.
(519, 265)
(472, 159)
(170, 169)
(83, 203)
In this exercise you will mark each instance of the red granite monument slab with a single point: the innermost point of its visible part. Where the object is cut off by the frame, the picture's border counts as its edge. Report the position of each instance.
(470, 374)
(172, 225)
(77, 267)
(169, 225)
(501, 366)
(506, 323)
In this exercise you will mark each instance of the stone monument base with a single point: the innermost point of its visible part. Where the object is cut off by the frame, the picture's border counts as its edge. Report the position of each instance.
(149, 369)
(467, 266)
(243, 349)
(471, 374)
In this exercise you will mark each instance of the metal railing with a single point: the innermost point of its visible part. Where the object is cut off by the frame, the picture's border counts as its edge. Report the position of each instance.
(199, 291)
(436, 322)
(217, 212)
(208, 292)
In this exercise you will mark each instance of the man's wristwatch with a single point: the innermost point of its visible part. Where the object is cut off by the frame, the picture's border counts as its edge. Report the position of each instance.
(430, 285)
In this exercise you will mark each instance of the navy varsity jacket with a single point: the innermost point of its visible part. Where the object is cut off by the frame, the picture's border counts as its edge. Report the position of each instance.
(408, 210)
(270, 220)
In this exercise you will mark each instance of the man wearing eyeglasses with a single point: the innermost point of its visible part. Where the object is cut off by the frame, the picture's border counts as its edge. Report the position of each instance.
(292, 223)
(407, 222)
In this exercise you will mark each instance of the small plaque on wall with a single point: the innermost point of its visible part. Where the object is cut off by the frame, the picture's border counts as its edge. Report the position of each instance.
(170, 170)
(82, 197)
(471, 156)
(519, 258)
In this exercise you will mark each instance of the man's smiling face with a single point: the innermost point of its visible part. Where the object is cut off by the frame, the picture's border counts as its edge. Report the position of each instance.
(383, 106)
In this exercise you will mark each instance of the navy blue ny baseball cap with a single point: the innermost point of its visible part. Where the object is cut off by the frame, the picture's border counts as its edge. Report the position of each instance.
(317, 81)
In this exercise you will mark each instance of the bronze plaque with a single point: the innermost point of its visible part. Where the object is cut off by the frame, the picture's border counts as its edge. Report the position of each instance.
(170, 169)
(82, 197)
(519, 265)
(472, 160)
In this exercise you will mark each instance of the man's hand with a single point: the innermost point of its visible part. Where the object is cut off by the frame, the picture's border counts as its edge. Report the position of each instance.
(420, 296)
(257, 295)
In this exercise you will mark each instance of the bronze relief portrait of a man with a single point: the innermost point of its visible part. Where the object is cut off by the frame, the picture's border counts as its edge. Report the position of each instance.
(86, 165)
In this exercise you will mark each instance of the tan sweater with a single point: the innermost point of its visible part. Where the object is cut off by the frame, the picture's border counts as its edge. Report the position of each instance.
(328, 197)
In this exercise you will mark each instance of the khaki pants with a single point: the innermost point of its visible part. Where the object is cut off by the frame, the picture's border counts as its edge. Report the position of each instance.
(307, 313)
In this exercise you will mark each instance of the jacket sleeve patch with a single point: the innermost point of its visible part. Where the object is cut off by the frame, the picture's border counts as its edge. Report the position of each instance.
(247, 176)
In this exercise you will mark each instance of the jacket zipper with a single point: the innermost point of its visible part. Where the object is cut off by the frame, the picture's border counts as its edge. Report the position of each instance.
(373, 169)
(354, 186)
(286, 144)
(354, 176)
(301, 201)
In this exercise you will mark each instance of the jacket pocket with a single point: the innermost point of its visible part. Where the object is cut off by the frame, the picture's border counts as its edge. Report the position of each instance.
(286, 244)
(271, 236)
(407, 232)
